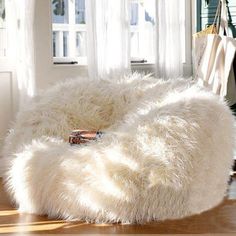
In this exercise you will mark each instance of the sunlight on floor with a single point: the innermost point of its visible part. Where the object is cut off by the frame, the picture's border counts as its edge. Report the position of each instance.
(9, 213)
(30, 227)
(102, 225)
(34, 223)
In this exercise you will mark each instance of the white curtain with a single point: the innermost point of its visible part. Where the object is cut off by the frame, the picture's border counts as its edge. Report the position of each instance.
(20, 21)
(108, 38)
(170, 32)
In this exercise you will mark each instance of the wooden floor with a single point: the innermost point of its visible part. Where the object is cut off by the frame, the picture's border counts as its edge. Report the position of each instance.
(221, 219)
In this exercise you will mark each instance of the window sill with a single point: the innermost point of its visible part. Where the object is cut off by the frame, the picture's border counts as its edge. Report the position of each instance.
(66, 63)
(77, 61)
(146, 67)
(83, 62)
(69, 66)
(133, 64)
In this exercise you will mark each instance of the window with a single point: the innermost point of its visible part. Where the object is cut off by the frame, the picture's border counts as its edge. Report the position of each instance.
(142, 30)
(2, 29)
(69, 30)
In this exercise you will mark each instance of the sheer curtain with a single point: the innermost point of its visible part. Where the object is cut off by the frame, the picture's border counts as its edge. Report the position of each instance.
(20, 24)
(170, 40)
(108, 38)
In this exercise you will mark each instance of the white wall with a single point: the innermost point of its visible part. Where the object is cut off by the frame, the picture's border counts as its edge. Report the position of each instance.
(8, 99)
(8, 104)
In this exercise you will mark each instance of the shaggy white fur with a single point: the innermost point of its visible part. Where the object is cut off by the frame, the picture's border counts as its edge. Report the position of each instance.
(166, 152)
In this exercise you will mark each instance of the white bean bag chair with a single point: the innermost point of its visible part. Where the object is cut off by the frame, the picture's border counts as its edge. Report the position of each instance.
(166, 153)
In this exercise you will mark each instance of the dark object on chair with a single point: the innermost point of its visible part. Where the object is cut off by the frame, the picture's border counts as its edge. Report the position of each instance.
(83, 136)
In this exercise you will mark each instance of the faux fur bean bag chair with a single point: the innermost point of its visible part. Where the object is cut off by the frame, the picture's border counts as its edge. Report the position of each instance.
(166, 153)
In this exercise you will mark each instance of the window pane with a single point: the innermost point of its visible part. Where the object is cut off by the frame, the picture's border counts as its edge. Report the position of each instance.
(60, 43)
(80, 11)
(134, 13)
(60, 11)
(81, 44)
(149, 14)
(2, 29)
